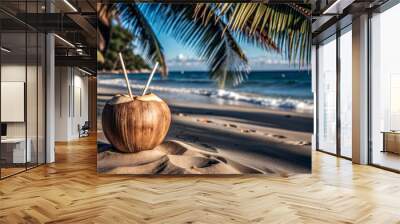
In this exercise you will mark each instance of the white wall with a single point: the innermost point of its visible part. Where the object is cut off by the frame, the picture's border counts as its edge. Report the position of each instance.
(80, 109)
(61, 103)
(33, 126)
(17, 73)
(71, 102)
(12, 73)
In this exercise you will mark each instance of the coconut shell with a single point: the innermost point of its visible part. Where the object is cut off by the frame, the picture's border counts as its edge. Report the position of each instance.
(138, 124)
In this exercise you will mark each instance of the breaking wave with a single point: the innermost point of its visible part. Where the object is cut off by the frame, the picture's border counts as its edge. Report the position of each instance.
(286, 103)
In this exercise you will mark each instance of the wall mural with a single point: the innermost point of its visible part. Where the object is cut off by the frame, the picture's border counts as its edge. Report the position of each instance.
(205, 88)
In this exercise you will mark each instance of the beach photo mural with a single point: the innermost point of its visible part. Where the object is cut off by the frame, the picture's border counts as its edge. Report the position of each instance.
(204, 88)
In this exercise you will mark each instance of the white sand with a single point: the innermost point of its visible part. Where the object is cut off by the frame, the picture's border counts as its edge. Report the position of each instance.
(215, 139)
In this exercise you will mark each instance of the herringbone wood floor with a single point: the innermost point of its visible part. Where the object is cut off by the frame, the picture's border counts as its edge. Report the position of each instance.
(70, 191)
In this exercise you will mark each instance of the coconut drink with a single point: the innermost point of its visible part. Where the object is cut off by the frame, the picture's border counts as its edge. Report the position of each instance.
(136, 123)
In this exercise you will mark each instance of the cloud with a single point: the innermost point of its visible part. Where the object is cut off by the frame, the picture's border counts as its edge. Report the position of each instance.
(182, 62)
(269, 62)
(276, 62)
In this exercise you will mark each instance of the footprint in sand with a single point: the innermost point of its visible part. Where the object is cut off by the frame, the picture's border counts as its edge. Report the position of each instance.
(248, 131)
(231, 125)
(204, 121)
(275, 136)
(299, 143)
(304, 143)
(279, 136)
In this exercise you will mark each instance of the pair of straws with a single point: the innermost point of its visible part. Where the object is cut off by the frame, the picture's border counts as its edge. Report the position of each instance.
(127, 80)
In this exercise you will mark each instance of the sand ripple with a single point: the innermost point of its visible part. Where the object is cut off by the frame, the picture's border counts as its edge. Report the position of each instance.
(171, 157)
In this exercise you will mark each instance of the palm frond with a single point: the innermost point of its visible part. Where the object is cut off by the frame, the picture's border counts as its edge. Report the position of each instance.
(105, 14)
(283, 27)
(211, 41)
(100, 57)
(305, 11)
(133, 19)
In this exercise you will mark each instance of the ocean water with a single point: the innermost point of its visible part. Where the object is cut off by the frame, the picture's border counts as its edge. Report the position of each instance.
(286, 90)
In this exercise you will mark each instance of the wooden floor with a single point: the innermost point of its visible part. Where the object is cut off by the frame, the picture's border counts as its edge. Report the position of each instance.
(70, 191)
(5, 172)
(387, 159)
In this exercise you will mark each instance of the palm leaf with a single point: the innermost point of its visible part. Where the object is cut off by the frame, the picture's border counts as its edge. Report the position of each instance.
(286, 27)
(100, 57)
(222, 11)
(133, 19)
(208, 37)
(105, 14)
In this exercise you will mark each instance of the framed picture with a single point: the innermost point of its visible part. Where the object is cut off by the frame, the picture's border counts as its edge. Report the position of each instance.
(204, 88)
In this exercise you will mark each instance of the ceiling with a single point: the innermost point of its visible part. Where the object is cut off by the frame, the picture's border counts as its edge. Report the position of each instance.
(331, 15)
(74, 21)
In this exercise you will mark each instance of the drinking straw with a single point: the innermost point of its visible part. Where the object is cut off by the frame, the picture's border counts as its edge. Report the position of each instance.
(150, 78)
(126, 75)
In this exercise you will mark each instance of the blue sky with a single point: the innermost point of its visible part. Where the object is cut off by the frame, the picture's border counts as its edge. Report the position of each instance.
(173, 48)
(181, 58)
